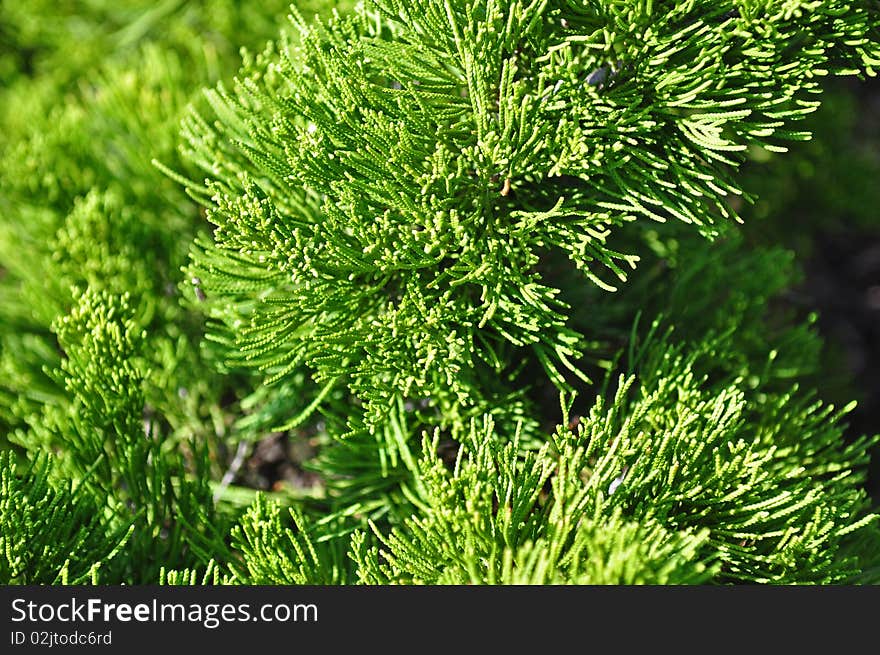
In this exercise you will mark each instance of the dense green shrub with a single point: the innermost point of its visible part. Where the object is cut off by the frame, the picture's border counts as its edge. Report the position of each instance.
(477, 266)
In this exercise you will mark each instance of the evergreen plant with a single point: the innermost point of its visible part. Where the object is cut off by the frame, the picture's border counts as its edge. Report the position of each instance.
(479, 270)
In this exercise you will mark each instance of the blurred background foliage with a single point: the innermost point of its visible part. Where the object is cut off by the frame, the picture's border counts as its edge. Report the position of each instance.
(91, 92)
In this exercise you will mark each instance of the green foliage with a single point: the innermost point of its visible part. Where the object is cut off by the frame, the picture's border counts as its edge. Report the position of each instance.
(51, 534)
(273, 554)
(673, 478)
(190, 577)
(388, 188)
(486, 522)
(457, 271)
(115, 451)
(112, 80)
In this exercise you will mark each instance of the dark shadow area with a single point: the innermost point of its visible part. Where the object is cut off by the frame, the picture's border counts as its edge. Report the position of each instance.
(822, 200)
(843, 284)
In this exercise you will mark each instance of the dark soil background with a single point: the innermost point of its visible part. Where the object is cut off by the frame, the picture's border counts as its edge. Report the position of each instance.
(843, 284)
